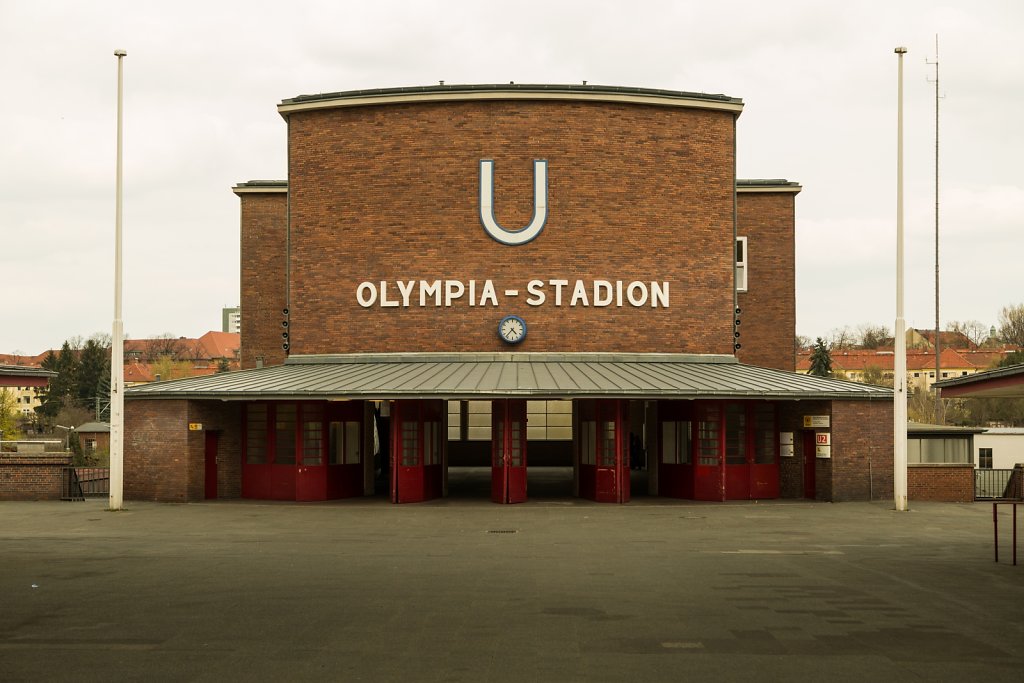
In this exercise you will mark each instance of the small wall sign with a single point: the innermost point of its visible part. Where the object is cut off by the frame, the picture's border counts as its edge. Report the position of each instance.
(811, 421)
(195, 426)
(822, 439)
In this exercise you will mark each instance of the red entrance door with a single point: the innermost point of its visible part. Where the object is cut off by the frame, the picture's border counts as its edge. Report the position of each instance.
(708, 469)
(604, 462)
(810, 462)
(508, 451)
(675, 447)
(211, 465)
(416, 469)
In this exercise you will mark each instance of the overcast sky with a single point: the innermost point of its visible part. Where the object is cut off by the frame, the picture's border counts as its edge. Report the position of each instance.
(202, 81)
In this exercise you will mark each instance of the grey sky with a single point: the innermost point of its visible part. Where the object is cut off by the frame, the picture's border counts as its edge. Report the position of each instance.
(202, 81)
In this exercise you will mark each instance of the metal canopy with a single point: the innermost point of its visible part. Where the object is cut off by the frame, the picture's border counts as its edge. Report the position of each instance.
(497, 375)
(1005, 382)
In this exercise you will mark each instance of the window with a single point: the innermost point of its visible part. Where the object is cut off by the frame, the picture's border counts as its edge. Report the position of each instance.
(985, 458)
(676, 443)
(256, 433)
(707, 437)
(284, 444)
(549, 420)
(478, 419)
(588, 442)
(344, 443)
(938, 450)
(312, 434)
(454, 420)
(735, 434)
(764, 430)
(741, 264)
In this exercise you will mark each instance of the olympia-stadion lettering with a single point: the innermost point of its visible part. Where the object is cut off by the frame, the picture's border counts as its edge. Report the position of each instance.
(447, 293)
(597, 293)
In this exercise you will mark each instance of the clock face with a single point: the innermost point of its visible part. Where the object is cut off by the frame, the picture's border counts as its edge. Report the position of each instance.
(512, 329)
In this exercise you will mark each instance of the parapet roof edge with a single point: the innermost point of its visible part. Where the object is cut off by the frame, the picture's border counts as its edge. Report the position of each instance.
(260, 186)
(742, 185)
(767, 185)
(510, 91)
(509, 357)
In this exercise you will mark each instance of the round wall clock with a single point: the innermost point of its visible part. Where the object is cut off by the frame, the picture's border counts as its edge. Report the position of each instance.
(512, 329)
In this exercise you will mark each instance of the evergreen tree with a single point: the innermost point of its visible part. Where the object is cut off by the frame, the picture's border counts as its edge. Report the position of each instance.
(821, 359)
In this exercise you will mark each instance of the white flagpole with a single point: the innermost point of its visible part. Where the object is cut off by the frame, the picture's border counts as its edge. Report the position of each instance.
(900, 364)
(117, 336)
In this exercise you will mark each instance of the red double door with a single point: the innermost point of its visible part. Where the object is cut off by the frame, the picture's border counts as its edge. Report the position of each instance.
(417, 451)
(508, 451)
(718, 450)
(604, 451)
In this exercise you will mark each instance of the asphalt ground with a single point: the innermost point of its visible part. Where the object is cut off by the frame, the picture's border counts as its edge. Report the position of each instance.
(555, 589)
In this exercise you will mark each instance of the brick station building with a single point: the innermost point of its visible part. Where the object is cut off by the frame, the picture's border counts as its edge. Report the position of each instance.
(513, 277)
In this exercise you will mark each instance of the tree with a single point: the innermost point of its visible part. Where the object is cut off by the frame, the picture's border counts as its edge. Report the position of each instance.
(9, 415)
(873, 374)
(166, 367)
(63, 388)
(1015, 358)
(93, 367)
(841, 338)
(974, 331)
(223, 365)
(1011, 325)
(873, 336)
(821, 359)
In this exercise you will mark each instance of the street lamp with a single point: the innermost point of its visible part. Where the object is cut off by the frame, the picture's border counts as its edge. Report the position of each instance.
(67, 436)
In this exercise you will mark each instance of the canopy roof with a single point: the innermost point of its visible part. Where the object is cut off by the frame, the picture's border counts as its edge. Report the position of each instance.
(498, 375)
(1005, 382)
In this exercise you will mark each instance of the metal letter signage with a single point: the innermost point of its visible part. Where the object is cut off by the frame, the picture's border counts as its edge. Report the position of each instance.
(540, 205)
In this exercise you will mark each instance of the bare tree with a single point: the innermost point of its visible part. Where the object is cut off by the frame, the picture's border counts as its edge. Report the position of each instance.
(972, 330)
(1011, 325)
(873, 336)
(841, 338)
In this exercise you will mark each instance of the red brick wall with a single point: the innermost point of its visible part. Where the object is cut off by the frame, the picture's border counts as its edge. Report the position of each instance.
(768, 317)
(156, 452)
(164, 461)
(392, 192)
(262, 273)
(941, 483)
(225, 419)
(791, 469)
(31, 477)
(862, 450)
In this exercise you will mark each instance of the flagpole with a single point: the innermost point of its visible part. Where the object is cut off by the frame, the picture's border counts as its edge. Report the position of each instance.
(117, 336)
(900, 363)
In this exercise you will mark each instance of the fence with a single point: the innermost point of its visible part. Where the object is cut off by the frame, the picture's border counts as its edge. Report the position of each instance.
(997, 484)
(79, 483)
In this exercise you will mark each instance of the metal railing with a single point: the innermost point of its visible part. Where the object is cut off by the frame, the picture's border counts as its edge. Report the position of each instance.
(996, 484)
(79, 483)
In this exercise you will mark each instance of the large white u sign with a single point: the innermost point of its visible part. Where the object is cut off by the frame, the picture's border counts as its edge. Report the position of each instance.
(540, 204)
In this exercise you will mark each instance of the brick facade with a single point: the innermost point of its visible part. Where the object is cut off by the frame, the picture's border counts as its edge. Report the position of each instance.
(941, 483)
(768, 307)
(862, 454)
(635, 193)
(31, 477)
(262, 273)
(164, 461)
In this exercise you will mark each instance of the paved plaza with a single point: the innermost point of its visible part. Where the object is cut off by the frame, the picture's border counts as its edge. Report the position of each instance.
(556, 589)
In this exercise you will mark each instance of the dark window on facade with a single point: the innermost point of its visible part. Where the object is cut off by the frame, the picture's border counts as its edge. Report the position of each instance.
(985, 458)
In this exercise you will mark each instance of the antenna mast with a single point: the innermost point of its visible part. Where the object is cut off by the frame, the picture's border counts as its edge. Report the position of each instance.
(938, 346)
